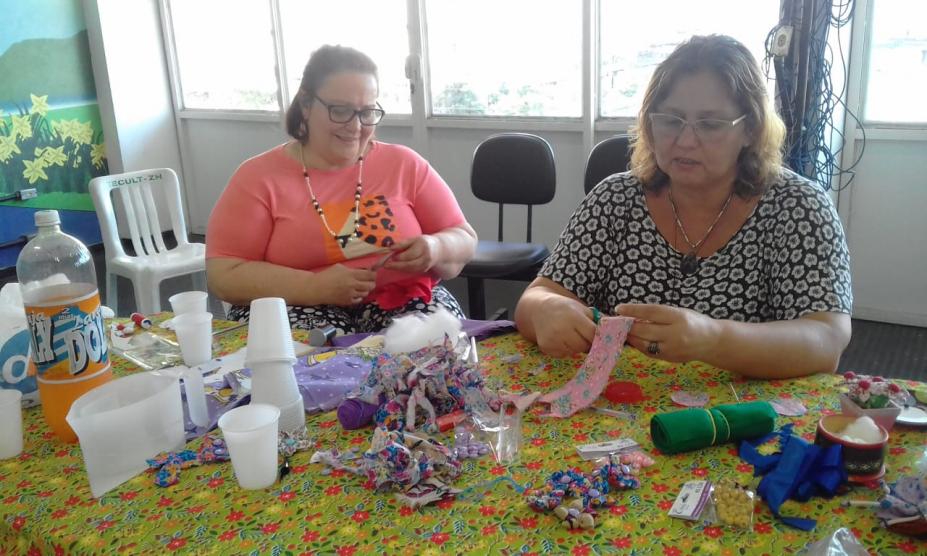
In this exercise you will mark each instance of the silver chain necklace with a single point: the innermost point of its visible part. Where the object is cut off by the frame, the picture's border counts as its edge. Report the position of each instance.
(689, 263)
(343, 240)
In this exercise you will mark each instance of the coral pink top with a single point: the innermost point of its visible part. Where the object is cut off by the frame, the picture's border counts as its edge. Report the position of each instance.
(266, 214)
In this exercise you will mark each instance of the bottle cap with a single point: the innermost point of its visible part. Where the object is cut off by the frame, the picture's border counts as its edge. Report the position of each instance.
(620, 391)
(47, 218)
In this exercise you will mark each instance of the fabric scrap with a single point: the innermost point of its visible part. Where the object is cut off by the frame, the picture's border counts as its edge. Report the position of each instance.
(590, 380)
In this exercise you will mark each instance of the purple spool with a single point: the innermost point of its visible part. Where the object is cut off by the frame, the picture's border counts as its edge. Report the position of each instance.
(354, 414)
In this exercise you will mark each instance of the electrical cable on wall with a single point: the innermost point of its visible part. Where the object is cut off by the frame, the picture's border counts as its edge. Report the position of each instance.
(798, 52)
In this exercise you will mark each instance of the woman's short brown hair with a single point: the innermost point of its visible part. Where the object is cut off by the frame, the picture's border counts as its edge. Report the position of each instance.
(324, 62)
(734, 65)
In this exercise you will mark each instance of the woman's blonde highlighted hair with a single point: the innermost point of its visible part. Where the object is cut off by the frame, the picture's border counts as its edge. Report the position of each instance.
(734, 65)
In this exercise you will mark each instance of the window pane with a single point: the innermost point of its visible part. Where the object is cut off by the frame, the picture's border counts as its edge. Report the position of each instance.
(634, 41)
(375, 27)
(506, 58)
(897, 62)
(218, 69)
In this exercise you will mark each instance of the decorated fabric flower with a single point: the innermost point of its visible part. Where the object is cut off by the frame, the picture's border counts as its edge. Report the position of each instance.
(873, 392)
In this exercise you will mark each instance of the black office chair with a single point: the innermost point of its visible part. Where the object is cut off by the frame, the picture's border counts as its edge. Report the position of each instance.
(609, 157)
(509, 169)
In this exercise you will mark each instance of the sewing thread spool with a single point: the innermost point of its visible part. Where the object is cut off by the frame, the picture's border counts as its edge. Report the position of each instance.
(140, 320)
(319, 337)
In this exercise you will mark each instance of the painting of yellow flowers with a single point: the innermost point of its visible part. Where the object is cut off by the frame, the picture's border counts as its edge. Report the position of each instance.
(51, 136)
(56, 151)
(51, 132)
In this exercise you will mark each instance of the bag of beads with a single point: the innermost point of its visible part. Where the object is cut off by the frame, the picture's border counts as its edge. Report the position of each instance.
(731, 505)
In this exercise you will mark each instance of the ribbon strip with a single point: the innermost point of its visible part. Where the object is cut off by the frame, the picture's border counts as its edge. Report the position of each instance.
(799, 471)
(591, 378)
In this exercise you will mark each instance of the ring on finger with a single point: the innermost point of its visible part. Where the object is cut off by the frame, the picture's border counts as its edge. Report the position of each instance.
(653, 348)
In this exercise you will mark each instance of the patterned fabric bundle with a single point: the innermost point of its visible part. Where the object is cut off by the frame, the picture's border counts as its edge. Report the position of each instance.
(435, 379)
(420, 469)
(169, 464)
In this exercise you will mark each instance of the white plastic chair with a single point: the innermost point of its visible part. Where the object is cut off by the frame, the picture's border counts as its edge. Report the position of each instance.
(152, 261)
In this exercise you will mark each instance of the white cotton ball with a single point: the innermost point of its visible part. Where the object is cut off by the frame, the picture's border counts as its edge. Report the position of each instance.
(415, 331)
(862, 430)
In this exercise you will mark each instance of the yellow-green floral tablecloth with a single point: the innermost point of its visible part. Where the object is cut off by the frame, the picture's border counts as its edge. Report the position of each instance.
(46, 506)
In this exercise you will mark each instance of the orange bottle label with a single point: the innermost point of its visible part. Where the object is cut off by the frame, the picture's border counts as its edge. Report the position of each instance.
(68, 338)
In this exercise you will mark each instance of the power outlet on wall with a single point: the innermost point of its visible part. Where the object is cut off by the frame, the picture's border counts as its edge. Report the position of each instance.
(781, 41)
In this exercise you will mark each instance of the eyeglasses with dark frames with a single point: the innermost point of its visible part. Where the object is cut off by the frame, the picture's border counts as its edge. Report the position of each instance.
(342, 113)
(666, 126)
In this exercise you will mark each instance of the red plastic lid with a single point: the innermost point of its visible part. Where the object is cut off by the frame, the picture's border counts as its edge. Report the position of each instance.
(621, 391)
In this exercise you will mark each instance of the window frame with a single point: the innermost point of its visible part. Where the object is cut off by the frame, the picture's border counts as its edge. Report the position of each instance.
(421, 116)
(862, 42)
(858, 61)
(590, 123)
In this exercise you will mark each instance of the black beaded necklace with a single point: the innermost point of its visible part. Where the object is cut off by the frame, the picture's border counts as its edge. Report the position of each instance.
(340, 238)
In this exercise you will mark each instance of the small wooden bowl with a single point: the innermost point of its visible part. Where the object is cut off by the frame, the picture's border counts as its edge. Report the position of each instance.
(862, 462)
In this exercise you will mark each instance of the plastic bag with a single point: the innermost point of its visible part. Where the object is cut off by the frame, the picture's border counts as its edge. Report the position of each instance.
(502, 431)
(841, 542)
(731, 505)
(16, 369)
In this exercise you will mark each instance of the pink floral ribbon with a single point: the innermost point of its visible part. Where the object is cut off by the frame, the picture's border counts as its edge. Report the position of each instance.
(590, 380)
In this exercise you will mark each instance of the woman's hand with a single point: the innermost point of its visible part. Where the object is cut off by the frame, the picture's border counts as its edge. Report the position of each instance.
(563, 326)
(415, 255)
(341, 285)
(677, 334)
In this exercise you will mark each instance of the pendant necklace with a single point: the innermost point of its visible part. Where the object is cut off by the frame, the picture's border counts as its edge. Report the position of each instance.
(343, 240)
(690, 261)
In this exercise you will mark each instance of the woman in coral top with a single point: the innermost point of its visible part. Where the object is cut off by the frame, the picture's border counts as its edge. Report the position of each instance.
(350, 231)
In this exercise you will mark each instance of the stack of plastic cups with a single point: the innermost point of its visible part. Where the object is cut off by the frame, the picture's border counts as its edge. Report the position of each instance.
(270, 357)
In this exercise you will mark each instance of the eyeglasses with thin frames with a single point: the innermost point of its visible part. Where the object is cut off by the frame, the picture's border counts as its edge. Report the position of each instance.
(708, 130)
(342, 113)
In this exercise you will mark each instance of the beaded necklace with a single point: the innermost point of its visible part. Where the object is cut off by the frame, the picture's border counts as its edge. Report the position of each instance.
(342, 239)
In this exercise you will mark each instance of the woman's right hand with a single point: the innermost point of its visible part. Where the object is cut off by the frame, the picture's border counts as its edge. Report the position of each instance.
(563, 326)
(344, 286)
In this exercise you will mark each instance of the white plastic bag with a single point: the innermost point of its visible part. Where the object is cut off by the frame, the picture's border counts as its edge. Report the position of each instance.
(16, 369)
(841, 542)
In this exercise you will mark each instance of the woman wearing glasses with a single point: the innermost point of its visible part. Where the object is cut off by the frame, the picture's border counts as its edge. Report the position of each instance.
(719, 253)
(350, 231)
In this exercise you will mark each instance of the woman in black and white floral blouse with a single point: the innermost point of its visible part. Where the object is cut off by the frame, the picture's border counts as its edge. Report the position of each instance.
(719, 253)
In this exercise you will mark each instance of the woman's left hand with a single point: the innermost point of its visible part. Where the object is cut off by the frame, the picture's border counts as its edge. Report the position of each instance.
(415, 255)
(671, 333)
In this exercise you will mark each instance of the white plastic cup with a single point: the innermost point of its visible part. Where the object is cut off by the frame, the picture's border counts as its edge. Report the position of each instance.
(273, 382)
(194, 332)
(11, 415)
(250, 433)
(188, 302)
(269, 334)
(293, 416)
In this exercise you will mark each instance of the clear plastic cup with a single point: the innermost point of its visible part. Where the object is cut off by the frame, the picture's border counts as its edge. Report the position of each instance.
(11, 415)
(188, 302)
(194, 333)
(250, 433)
(273, 382)
(269, 334)
(293, 416)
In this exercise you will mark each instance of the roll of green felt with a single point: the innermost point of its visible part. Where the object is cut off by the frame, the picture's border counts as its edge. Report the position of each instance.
(692, 429)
